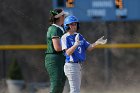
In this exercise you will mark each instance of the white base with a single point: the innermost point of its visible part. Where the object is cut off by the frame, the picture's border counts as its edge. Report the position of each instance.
(15, 86)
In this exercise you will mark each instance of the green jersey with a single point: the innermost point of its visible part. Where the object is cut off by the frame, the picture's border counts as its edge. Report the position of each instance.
(54, 61)
(53, 31)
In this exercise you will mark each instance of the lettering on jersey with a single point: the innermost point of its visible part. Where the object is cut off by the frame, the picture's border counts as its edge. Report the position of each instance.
(81, 42)
(72, 43)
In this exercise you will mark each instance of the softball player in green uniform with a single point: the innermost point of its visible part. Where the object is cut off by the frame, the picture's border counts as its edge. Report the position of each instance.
(54, 59)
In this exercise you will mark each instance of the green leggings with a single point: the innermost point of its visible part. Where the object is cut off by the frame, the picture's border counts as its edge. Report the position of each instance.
(54, 63)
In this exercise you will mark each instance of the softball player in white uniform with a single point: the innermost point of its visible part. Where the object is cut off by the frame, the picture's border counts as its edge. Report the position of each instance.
(75, 46)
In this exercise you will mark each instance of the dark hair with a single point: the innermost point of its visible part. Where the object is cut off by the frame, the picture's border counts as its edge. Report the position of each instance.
(54, 12)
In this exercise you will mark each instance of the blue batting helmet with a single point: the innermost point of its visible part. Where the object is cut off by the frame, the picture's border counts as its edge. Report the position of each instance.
(70, 19)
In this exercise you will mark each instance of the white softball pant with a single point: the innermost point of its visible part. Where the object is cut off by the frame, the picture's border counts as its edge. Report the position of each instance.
(73, 73)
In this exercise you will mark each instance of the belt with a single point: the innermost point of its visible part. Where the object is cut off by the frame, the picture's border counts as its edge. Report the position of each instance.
(74, 62)
(60, 52)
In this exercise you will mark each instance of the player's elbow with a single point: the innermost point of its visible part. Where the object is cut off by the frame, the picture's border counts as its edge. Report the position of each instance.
(58, 49)
(68, 53)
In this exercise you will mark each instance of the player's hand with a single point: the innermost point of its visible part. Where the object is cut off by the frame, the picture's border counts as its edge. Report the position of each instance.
(101, 41)
(77, 38)
(77, 42)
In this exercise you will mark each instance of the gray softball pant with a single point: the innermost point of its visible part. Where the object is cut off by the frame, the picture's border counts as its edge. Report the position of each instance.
(73, 73)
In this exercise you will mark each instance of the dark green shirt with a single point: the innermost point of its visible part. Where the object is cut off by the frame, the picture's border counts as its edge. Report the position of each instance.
(53, 31)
